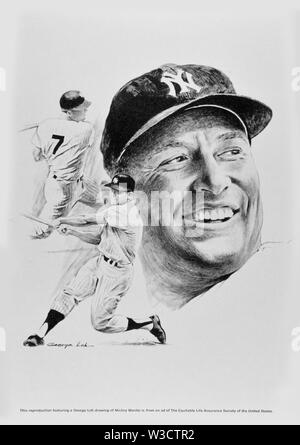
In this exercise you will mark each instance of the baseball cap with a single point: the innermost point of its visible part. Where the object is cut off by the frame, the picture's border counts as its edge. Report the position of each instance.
(150, 98)
(122, 182)
(72, 99)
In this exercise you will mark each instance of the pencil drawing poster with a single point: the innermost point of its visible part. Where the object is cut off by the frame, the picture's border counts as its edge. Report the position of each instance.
(149, 235)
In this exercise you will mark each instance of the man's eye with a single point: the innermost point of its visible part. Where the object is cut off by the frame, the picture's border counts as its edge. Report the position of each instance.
(176, 160)
(232, 153)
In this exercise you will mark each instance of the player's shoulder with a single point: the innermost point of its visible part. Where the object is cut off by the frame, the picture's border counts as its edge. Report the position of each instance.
(83, 128)
(86, 126)
(62, 125)
(51, 126)
(51, 122)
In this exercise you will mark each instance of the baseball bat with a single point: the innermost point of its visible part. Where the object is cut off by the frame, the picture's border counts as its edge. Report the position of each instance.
(29, 127)
(39, 220)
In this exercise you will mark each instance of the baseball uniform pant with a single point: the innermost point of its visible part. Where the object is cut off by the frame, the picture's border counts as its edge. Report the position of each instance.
(61, 196)
(106, 284)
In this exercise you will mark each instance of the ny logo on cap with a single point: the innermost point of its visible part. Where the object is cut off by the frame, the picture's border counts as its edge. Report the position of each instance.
(183, 79)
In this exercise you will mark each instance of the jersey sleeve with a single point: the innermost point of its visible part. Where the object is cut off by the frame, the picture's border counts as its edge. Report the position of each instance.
(101, 216)
(122, 217)
(36, 139)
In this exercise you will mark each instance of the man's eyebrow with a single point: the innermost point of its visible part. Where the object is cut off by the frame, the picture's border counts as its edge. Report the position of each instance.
(232, 135)
(173, 143)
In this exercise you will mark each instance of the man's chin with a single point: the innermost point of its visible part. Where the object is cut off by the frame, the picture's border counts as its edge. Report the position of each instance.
(220, 252)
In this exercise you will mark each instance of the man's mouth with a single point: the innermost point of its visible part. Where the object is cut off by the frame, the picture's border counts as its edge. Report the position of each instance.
(217, 215)
(208, 215)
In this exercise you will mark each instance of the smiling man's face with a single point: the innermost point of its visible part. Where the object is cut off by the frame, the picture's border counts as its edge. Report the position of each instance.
(205, 152)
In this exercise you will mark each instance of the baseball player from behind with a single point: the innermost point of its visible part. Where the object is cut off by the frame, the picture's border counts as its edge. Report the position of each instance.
(63, 143)
(108, 276)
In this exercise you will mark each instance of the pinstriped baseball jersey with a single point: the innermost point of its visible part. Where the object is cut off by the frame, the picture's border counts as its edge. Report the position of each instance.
(122, 233)
(64, 144)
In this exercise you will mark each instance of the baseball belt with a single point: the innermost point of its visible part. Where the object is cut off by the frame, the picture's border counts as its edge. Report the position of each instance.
(110, 261)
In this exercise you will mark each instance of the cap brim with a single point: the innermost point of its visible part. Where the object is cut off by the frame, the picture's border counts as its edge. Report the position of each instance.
(255, 114)
(112, 186)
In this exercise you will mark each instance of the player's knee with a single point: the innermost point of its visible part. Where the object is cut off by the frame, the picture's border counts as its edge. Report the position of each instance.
(99, 324)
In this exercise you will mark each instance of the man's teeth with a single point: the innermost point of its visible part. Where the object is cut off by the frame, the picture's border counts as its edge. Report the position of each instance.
(220, 214)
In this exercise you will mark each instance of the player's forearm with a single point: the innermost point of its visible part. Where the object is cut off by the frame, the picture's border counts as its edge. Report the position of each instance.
(81, 220)
(87, 237)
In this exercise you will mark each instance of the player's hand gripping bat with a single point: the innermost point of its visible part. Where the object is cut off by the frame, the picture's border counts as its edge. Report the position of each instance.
(46, 223)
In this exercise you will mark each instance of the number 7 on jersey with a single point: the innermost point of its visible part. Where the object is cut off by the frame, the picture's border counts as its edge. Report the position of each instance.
(59, 143)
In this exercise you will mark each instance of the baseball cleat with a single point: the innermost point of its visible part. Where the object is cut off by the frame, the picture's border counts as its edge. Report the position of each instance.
(33, 340)
(158, 330)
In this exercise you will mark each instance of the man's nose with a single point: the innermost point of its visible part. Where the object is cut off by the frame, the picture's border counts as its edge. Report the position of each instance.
(212, 177)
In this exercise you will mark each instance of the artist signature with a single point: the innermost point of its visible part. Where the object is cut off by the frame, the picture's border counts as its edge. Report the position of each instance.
(79, 344)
